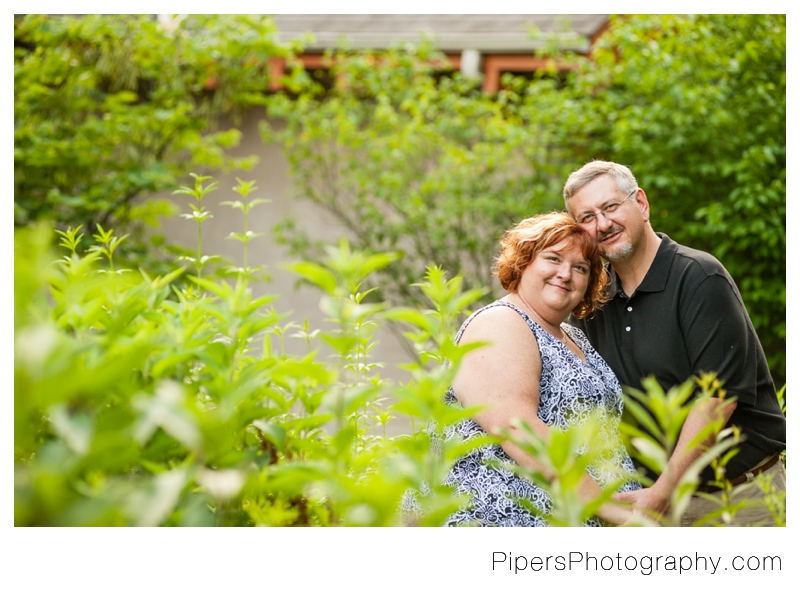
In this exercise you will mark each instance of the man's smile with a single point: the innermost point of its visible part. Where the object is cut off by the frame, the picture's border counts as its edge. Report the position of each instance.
(610, 234)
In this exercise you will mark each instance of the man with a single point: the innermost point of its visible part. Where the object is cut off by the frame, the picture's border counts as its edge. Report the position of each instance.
(674, 313)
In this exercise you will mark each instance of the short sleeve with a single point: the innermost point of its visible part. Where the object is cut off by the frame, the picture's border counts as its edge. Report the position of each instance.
(719, 336)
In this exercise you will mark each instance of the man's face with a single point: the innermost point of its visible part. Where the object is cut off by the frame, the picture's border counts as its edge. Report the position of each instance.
(616, 221)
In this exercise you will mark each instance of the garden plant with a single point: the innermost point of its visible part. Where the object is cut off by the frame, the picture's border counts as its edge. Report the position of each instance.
(409, 155)
(167, 400)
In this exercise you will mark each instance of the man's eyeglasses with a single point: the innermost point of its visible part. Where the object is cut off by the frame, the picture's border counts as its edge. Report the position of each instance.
(591, 217)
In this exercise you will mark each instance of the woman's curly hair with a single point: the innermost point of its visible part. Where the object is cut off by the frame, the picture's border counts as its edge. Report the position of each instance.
(522, 242)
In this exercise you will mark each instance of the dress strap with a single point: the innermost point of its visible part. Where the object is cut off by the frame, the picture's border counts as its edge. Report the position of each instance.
(531, 323)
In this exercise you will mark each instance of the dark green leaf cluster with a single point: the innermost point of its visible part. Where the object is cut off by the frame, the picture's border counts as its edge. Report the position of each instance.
(110, 107)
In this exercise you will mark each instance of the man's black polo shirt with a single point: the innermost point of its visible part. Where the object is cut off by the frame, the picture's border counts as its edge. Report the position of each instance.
(687, 317)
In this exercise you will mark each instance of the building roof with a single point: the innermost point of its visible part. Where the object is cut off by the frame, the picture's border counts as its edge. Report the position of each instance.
(498, 33)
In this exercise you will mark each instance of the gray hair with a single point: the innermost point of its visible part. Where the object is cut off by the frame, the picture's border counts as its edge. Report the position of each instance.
(621, 175)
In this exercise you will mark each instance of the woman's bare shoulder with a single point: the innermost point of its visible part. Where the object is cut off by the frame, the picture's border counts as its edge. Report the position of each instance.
(505, 369)
(499, 324)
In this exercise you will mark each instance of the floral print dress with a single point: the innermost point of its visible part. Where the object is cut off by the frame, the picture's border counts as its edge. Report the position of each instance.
(569, 391)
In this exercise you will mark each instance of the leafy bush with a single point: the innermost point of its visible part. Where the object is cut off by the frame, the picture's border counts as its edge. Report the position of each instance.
(166, 400)
(111, 107)
(408, 157)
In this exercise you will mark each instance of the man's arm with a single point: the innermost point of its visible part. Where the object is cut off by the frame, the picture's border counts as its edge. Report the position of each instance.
(715, 329)
(704, 412)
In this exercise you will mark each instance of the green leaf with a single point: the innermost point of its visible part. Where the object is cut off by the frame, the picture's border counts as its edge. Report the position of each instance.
(315, 274)
(274, 433)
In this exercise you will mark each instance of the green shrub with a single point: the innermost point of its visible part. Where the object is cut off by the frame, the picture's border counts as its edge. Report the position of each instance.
(108, 108)
(408, 157)
(165, 400)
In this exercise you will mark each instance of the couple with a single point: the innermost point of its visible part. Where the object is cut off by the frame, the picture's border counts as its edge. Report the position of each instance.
(671, 312)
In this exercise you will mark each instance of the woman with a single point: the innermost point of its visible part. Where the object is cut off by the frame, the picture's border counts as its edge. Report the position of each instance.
(536, 369)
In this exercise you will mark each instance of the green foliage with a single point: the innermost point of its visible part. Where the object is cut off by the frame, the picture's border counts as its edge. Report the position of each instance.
(782, 399)
(410, 158)
(199, 215)
(662, 415)
(568, 455)
(161, 401)
(407, 159)
(110, 107)
(244, 188)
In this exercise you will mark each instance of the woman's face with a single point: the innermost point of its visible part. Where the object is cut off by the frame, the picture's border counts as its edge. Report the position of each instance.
(555, 282)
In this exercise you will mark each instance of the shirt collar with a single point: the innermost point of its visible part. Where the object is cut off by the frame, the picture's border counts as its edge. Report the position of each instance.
(656, 278)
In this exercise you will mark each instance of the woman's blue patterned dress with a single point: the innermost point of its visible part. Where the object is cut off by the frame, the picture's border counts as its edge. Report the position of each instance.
(569, 391)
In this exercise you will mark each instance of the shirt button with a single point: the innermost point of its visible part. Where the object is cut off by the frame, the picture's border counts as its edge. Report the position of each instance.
(627, 329)
(630, 308)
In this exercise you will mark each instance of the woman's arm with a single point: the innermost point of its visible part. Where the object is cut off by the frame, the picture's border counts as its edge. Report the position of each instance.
(504, 377)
